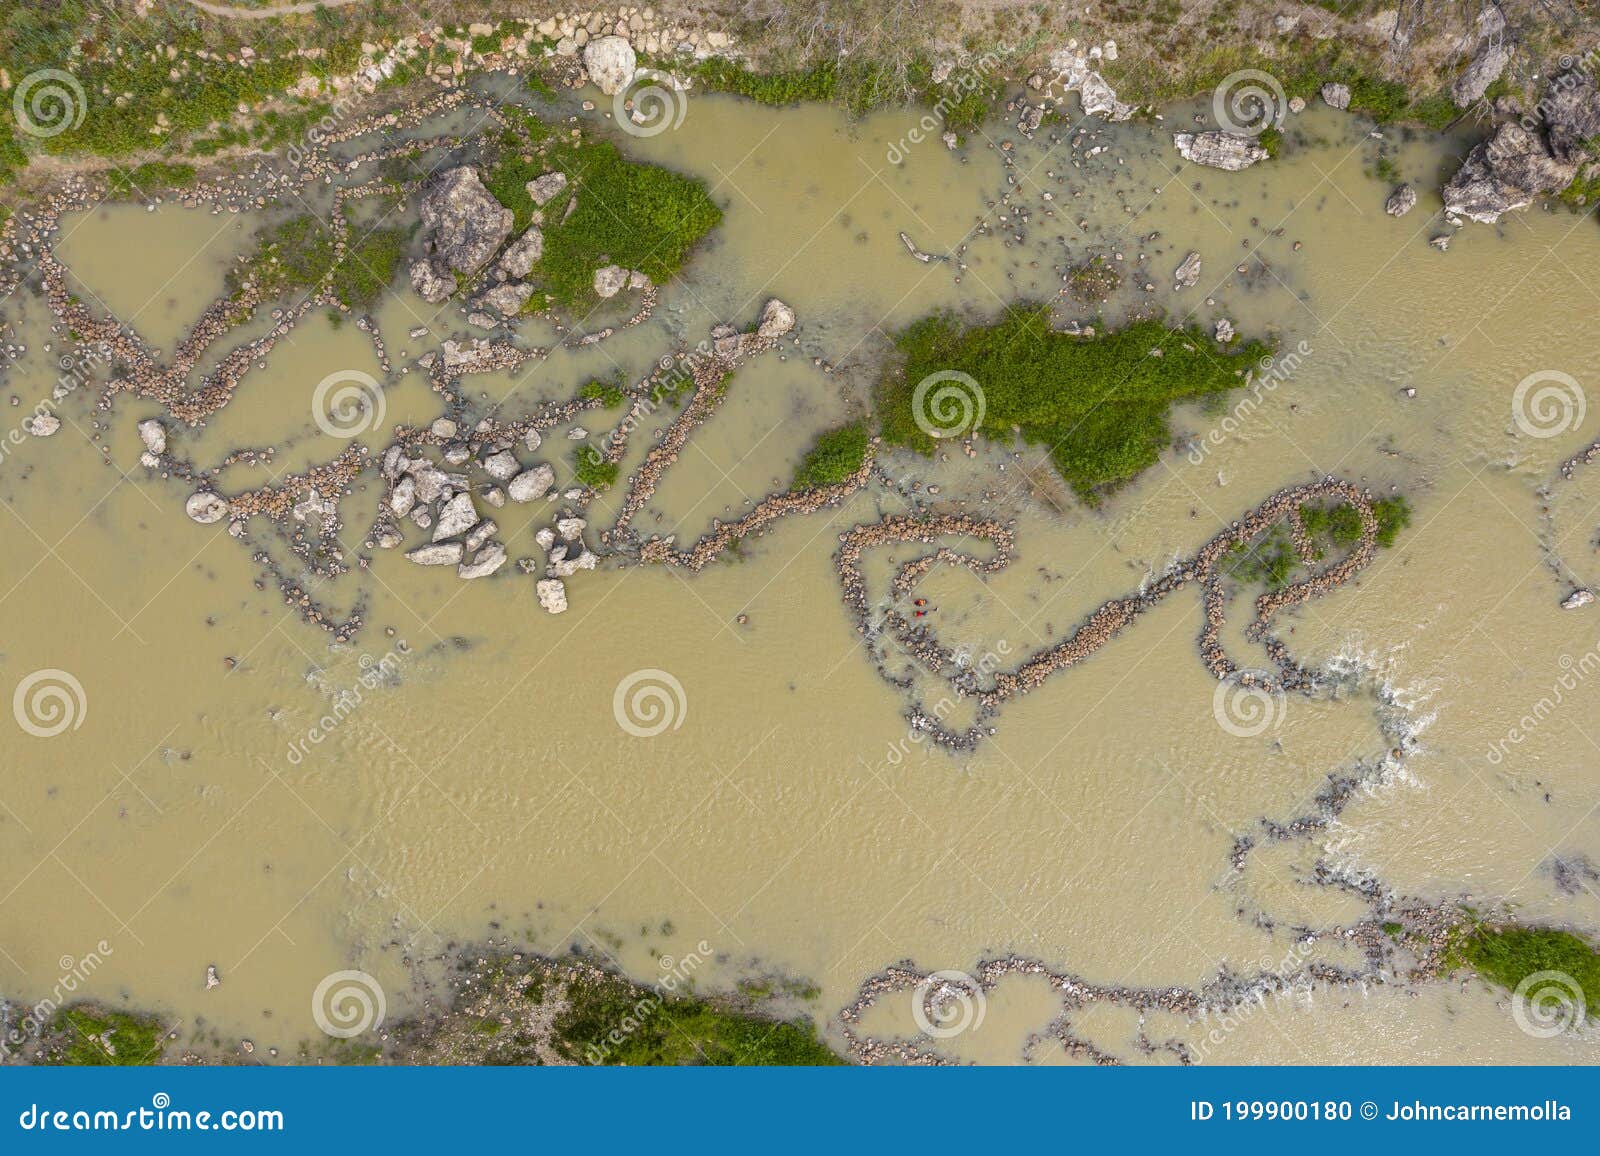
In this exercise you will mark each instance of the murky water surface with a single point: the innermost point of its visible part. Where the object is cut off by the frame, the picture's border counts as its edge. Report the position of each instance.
(482, 786)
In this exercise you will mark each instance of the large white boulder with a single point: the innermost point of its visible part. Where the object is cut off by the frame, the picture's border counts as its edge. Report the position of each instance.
(610, 61)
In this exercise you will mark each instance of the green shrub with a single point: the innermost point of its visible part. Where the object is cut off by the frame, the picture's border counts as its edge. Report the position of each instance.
(836, 455)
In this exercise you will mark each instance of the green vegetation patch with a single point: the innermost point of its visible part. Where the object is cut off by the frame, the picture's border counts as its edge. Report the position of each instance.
(150, 178)
(297, 254)
(835, 456)
(1509, 954)
(610, 1021)
(1100, 404)
(591, 469)
(1331, 526)
(627, 213)
(962, 102)
(90, 1036)
(608, 393)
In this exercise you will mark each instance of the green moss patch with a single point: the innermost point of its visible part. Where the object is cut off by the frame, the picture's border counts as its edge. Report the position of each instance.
(627, 213)
(835, 456)
(151, 178)
(1507, 955)
(90, 1036)
(296, 255)
(610, 1021)
(1100, 404)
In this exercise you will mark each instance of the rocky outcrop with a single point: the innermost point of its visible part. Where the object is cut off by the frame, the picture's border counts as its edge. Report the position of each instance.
(552, 594)
(1401, 201)
(484, 563)
(456, 517)
(508, 298)
(1187, 274)
(1504, 173)
(519, 258)
(431, 285)
(466, 226)
(776, 319)
(1076, 73)
(531, 484)
(1486, 67)
(205, 507)
(1219, 150)
(1336, 95)
(610, 62)
(436, 554)
(610, 280)
(546, 188)
(1571, 108)
(1532, 157)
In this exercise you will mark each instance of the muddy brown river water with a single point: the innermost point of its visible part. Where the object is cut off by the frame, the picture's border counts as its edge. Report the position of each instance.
(482, 785)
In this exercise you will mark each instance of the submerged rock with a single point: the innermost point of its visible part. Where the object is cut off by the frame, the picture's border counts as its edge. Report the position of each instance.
(1219, 150)
(1577, 599)
(42, 425)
